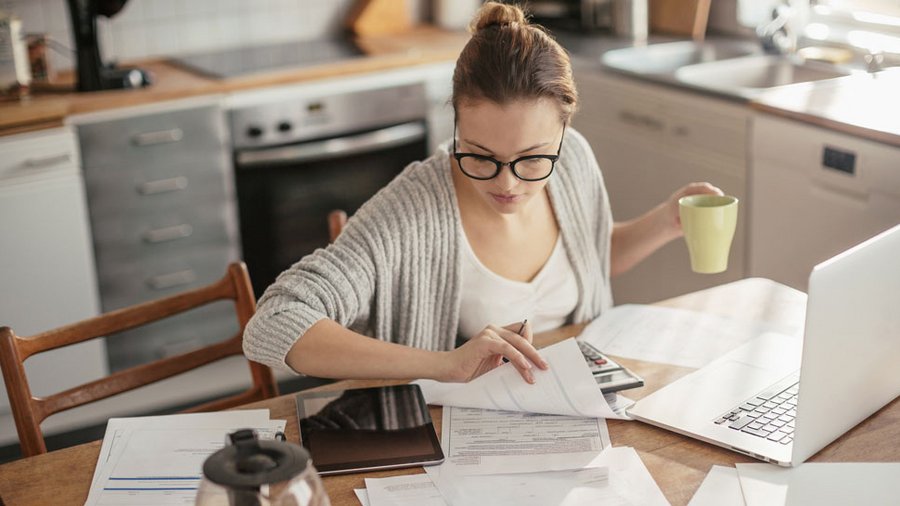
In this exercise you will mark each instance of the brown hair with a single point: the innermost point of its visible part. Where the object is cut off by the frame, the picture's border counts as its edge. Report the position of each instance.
(509, 59)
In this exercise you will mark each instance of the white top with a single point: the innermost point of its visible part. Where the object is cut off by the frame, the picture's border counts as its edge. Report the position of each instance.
(488, 298)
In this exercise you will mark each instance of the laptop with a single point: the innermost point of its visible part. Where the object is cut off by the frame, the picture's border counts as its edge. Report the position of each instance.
(780, 398)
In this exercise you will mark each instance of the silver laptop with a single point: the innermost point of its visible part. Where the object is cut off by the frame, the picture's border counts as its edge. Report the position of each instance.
(780, 398)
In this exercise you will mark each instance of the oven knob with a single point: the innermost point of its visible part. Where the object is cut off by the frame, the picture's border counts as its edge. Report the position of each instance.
(254, 131)
(285, 126)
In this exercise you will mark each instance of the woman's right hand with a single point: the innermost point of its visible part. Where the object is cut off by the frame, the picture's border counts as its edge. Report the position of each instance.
(486, 351)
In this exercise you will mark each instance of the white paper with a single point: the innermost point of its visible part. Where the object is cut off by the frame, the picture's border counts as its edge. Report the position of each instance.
(721, 487)
(362, 495)
(822, 484)
(619, 479)
(672, 336)
(160, 461)
(405, 490)
(115, 427)
(566, 388)
(480, 441)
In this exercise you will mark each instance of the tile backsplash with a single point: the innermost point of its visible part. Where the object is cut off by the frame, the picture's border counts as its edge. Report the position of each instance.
(146, 28)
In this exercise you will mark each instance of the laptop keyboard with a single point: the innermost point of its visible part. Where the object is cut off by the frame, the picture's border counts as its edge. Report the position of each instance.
(768, 414)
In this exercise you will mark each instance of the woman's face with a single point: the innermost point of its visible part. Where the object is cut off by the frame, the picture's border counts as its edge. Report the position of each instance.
(507, 132)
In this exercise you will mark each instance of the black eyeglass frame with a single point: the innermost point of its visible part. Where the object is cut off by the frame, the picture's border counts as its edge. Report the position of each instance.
(512, 164)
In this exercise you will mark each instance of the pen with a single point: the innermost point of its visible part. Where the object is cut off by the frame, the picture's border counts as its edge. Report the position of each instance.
(521, 328)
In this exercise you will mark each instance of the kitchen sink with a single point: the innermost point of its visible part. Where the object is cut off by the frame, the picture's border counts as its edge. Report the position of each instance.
(748, 75)
(736, 69)
(666, 58)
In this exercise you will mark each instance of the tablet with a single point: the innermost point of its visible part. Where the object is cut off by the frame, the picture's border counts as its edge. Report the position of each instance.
(366, 429)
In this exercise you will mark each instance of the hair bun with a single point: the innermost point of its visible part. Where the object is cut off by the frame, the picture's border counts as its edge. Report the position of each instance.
(497, 14)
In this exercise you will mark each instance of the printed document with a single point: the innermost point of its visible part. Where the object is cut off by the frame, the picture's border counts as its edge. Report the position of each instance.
(406, 490)
(672, 336)
(480, 441)
(820, 483)
(619, 478)
(721, 487)
(159, 460)
(566, 388)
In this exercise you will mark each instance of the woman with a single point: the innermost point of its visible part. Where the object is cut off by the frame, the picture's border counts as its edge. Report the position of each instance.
(512, 222)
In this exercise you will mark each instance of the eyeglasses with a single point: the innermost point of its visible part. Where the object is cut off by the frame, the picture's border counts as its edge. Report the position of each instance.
(527, 168)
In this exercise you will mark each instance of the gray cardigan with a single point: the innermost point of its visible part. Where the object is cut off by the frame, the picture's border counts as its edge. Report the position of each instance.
(394, 272)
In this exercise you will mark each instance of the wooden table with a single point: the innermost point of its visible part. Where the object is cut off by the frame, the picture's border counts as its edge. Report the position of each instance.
(678, 464)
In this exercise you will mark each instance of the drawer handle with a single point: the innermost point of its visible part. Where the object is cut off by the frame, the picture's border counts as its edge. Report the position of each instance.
(172, 279)
(168, 233)
(38, 163)
(171, 184)
(160, 137)
(640, 120)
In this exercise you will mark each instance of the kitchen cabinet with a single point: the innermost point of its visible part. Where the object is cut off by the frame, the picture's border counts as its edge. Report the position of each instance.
(816, 192)
(162, 209)
(649, 141)
(46, 262)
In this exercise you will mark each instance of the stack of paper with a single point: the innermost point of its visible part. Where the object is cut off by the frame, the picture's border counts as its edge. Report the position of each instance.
(509, 442)
(159, 459)
(822, 484)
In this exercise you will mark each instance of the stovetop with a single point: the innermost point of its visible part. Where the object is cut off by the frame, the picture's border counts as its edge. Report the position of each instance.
(244, 61)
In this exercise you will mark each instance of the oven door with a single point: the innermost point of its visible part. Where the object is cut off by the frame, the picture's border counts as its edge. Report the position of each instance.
(286, 192)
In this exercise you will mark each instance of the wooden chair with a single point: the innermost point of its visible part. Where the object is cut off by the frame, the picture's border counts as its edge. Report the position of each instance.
(29, 411)
(336, 221)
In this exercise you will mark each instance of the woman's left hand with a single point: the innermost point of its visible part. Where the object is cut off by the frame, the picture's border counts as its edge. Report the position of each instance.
(673, 219)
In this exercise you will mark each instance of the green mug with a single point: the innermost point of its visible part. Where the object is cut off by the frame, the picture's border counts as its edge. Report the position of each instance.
(708, 222)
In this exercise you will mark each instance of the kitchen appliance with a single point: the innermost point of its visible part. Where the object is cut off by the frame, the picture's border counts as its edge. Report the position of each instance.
(92, 74)
(241, 61)
(299, 157)
(253, 472)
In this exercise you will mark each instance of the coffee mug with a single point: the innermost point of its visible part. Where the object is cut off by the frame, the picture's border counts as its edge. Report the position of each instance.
(708, 222)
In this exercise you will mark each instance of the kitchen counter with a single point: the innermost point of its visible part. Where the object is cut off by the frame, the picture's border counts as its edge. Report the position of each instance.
(860, 105)
(46, 108)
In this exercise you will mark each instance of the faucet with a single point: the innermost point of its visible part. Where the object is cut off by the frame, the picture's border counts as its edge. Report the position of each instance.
(776, 36)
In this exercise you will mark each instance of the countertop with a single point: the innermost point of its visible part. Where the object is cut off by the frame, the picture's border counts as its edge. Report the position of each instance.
(48, 108)
(862, 105)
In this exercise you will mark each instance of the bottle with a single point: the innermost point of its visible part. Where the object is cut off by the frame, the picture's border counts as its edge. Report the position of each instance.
(251, 472)
(14, 69)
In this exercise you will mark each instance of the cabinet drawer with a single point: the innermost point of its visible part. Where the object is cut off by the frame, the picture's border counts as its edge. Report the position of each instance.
(36, 153)
(152, 277)
(136, 192)
(153, 140)
(167, 231)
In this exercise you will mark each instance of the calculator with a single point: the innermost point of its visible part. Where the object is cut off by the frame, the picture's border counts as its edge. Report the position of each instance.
(610, 376)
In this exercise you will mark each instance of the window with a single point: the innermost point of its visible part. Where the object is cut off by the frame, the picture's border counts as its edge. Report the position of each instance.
(867, 25)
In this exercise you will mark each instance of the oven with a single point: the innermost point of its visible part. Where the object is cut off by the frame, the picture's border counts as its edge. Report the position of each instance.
(296, 160)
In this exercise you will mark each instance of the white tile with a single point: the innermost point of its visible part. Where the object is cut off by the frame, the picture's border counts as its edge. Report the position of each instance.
(32, 16)
(155, 10)
(130, 41)
(231, 30)
(162, 39)
(195, 35)
(105, 39)
(131, 14)
(56, 15)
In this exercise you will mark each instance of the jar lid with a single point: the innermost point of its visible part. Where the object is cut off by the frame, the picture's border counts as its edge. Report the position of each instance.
(249, 463)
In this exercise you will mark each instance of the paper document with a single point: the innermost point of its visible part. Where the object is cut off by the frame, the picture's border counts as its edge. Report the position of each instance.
(618, 479)
(566, 388)
(822, 484)
(159, 460)
(721, 487)
(480, 441)
(672, 336)
(406, 490)
(362, 495)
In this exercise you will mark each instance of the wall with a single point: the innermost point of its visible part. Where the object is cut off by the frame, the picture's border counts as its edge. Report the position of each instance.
(146, 28)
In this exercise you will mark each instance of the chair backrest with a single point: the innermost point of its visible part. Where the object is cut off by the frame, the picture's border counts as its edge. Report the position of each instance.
(29, 411)
(336, 221)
